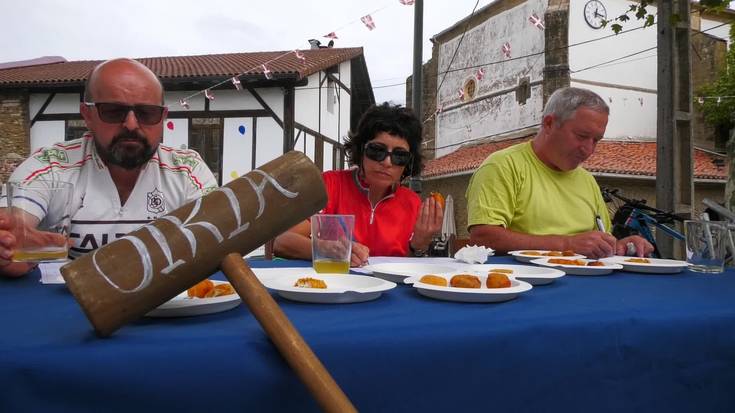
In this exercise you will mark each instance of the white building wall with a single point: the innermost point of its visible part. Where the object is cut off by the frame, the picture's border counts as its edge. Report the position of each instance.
(482, 48)
(46, 133)
(176, 133)
(307, 103)
(627, 84)
(237, 148)
(345, 75)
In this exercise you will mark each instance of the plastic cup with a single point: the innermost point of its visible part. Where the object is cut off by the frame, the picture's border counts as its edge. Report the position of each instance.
(40, 215)
(331, 242)
(706, 243)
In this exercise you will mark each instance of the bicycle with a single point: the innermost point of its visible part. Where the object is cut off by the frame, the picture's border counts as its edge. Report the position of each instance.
(634, 217)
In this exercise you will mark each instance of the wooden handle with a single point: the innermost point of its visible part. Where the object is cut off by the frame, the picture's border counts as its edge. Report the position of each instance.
(289, 342)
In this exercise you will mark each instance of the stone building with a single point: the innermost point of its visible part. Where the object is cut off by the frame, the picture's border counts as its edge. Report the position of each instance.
(303, 100)
(512, 54)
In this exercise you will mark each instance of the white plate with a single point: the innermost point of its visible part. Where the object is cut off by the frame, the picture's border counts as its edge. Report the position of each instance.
(183, 306)
(530, 274)
(520, 256)
(397, 272)
(579, 269)
(341, 288)
(470, 295)
(657, 265)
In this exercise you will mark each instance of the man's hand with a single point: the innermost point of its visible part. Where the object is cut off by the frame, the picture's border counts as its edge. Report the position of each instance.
(428, 223)
(7, 239)
(643, 248)
(593, 244)
(360, 254)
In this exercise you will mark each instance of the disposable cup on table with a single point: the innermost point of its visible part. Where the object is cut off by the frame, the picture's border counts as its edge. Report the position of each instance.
(40, 214)
(331, 242)
(706, 243)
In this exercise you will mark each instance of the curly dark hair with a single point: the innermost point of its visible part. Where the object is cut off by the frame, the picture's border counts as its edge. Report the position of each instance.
(393, 119)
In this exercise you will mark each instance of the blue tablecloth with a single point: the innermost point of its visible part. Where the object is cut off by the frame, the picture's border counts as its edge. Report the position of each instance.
(624, 342)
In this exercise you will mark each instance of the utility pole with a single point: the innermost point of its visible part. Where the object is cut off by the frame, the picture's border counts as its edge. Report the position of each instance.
(674, 159)
(418, 37)
(417, 78)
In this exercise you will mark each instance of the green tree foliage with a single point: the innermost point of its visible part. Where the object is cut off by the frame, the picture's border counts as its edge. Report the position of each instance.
(717, 112)
(640, 12)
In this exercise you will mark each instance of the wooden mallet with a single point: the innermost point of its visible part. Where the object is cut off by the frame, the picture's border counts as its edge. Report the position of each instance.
(131, 276)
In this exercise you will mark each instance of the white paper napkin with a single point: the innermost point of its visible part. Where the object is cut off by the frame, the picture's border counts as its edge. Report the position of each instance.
(50, 273)
(473, 254)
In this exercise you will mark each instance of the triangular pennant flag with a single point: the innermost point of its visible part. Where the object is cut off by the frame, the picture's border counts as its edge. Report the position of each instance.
(331, 35)
(236, 83)
(367, 20)
(300, 56)
(208, 94)
(461, 94)
(184, 103)
(536, 21)
(406, 2)
(506, 49)
(266, 72)
(480, 74)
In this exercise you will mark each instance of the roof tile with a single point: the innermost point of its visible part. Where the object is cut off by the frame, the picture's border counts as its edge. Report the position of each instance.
(182, 67)
(613, 157)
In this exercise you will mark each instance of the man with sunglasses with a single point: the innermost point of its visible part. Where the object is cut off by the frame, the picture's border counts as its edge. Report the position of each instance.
(535, 195)
(390, 220)
(123, 177)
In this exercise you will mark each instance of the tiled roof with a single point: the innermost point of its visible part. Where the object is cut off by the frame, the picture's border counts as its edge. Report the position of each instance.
(183, 67)
(610, 157)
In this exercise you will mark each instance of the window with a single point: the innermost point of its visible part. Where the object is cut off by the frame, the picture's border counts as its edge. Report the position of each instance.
(205, 137)
(75, 129)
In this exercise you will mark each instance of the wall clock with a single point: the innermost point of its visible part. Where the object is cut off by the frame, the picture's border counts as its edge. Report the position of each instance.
(595, 14)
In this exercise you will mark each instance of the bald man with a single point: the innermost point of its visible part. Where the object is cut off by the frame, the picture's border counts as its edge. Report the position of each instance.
(123, 176)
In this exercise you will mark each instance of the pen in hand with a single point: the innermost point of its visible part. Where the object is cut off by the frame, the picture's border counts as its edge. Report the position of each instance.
(600, 225)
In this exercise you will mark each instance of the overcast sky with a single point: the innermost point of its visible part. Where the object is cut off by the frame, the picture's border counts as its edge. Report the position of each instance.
(98, 29)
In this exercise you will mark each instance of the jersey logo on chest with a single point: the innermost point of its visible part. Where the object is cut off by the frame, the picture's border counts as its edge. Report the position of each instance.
(155, 202)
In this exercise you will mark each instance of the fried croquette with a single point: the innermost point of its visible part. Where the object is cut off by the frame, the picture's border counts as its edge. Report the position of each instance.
(220, 289)
(434, 280)
(465, 281)
(309, 282)
(595, 264)
(497, 280)
(201, 289)
(566, 261)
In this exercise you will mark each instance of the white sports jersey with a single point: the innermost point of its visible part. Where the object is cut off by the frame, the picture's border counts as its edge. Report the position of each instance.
(169, 180)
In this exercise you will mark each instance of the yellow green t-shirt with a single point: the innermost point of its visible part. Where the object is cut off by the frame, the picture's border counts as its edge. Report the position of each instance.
(513, 188)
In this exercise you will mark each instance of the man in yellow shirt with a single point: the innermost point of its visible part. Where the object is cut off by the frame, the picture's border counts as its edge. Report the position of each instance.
(534, 195)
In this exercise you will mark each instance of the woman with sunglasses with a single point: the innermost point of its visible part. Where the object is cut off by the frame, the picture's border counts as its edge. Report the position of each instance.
(390, 220)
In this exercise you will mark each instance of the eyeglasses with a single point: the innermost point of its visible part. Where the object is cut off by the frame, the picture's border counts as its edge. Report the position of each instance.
(378, 152)
(117, 112)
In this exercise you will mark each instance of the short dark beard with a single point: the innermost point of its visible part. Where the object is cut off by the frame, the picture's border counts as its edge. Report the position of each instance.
(123, 156)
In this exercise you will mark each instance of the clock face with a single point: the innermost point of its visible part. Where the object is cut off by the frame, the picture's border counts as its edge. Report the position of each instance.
(595, 14)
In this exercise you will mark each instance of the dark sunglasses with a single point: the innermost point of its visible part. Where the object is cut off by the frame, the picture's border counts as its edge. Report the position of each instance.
(117, 112)
(378, 152)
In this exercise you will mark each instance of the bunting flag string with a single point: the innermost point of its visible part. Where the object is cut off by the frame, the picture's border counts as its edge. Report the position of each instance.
(367, 20)
(506, 49)
(480, 74)
(208, 94)
(266, 72)
(184, 103)
(299, 55)
(536, 21)
(236, 83)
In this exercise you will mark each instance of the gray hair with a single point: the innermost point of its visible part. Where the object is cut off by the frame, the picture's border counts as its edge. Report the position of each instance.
(563, 103)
